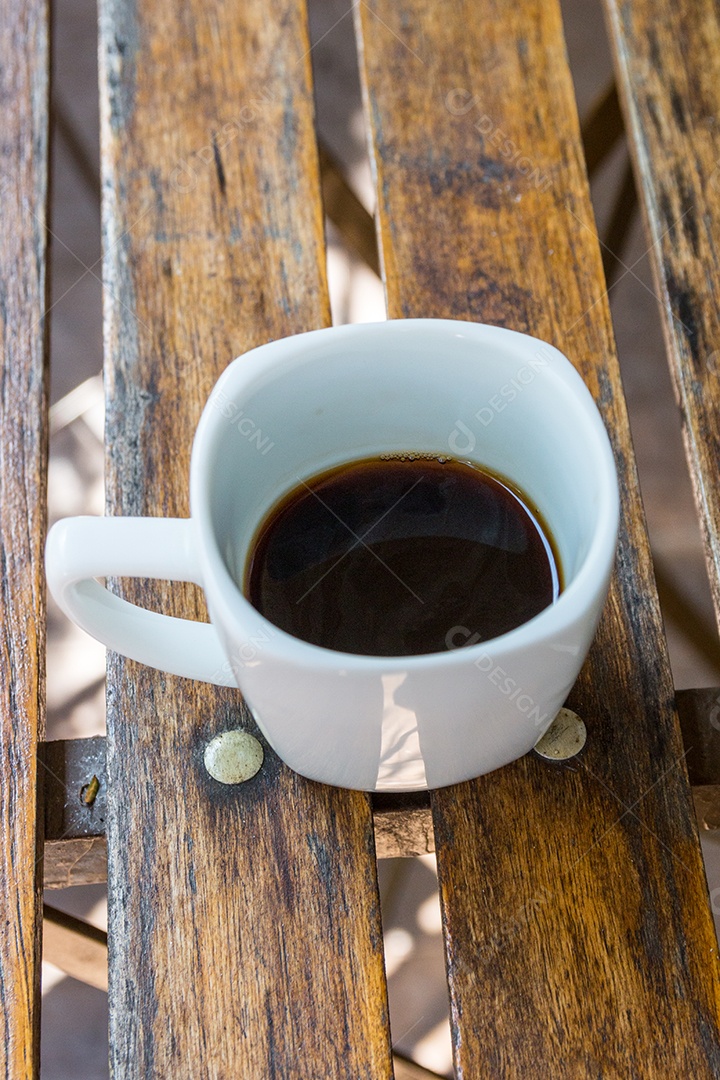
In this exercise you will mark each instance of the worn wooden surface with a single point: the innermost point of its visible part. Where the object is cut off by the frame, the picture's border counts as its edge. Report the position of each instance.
(244, 924)
(75, 861)
(575, 907)
(667, 58)
(23, 452)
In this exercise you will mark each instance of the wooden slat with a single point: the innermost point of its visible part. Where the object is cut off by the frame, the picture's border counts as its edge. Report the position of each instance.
(403, 825)
(75, 783)
(23, 456)
(75, 861)
(75, 831)
(601, 129)
(667, 58)
(575, 907)
(76, 947)
(244, 928)
(347, 213)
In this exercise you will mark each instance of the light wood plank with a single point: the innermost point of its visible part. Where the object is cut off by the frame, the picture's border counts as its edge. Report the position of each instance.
(75, 861)
(76, 947)
(244, 923)
(576, 918)
(23, 463)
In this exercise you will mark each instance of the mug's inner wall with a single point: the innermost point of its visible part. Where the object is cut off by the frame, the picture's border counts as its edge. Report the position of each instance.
(505, 408)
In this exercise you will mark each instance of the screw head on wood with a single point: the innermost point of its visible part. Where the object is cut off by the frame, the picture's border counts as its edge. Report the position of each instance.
(564, 738)
(233, 757)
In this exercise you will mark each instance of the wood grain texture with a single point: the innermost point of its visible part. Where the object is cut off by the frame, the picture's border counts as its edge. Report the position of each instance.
(23, 464)
(244, 924)
(80, 860)
(74, 829)
(575, 908)
(403, 825)
(667, 59)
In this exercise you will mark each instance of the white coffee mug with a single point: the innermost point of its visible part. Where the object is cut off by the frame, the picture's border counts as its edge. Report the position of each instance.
(285, 412)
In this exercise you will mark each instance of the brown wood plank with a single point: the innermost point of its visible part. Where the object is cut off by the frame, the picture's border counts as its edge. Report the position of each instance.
(667, 59)
(75, 861)
(23, 465)
(576, 918)
(244, 922)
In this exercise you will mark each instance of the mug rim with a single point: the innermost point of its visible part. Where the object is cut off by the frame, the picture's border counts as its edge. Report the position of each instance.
(235, 609)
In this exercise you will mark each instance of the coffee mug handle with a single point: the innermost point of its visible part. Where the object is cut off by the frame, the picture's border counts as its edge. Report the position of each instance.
(80, 549)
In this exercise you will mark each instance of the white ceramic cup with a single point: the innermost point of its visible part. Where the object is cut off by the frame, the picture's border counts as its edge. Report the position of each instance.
(293, 408)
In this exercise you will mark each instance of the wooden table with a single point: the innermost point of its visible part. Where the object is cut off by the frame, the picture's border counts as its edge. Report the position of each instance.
(244, 934)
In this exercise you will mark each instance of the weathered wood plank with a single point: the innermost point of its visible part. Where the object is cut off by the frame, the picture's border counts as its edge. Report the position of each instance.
(244, 924)
(667, 59)
(403, 825)
(23, 463)
(575, 907)
(79, 860)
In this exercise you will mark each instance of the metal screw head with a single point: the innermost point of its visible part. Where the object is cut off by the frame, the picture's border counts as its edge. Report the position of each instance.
(564, 738)
(233, 757)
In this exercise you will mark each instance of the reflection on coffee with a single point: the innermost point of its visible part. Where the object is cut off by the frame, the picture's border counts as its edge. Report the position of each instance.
(402, 555)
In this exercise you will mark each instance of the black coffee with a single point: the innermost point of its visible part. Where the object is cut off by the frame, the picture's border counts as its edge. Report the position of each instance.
(399, 556)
